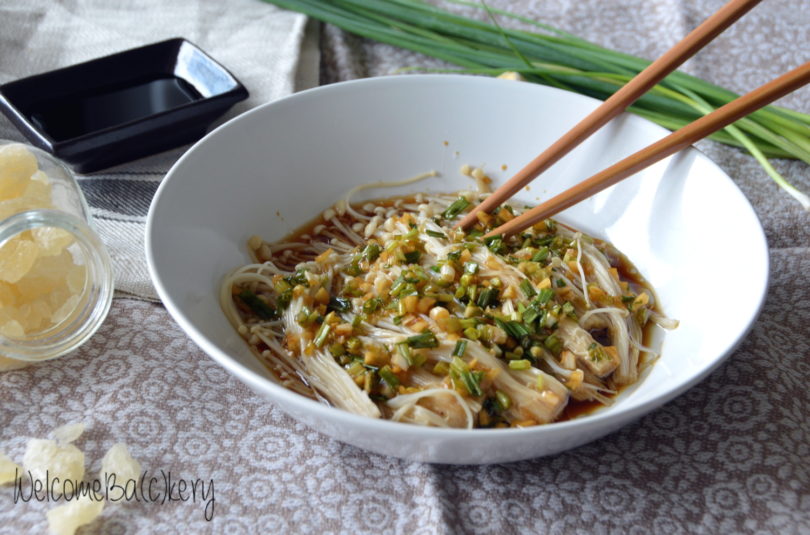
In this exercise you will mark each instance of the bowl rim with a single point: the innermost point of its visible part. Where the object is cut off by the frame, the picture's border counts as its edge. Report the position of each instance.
(604, 415)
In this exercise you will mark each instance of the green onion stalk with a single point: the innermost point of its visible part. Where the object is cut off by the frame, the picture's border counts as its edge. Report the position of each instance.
(556, 58)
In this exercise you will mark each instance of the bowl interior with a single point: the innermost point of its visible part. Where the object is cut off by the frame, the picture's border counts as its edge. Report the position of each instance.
(275, 168)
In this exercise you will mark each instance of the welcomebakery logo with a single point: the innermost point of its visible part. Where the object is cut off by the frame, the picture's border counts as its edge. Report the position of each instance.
(157, 487)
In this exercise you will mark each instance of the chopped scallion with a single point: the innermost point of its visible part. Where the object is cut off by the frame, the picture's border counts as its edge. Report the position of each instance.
(372, 252)
(544, 296)
(596, 352)
(413, 257)
(469, 379)
(300, 277)
(339, 304)
(541, 255)
(405, 351)
(258, 306)
(458, 206)
(513, 328)
(503, 399)
(521, 364)
(487, 297)
(434, 234)
(553, 344)
(323, 332)
(425, 339)
(388, 376)
(372, 305)
(527, 288)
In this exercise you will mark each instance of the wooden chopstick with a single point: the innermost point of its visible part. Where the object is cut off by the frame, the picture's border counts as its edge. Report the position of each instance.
(617, 103)
(674, 142)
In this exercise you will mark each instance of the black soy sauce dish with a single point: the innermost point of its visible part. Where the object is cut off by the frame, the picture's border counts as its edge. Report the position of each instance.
(122, 107)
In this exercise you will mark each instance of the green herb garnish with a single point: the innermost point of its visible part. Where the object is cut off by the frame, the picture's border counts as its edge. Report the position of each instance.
(413, 257)
(339, 304)
(527, 288)
(388, 376)
(471, 380)
(425, 339)
(461, 347)
(458, 206)
(372, 252)
(323, 332)
(434, 234)
(259, 307)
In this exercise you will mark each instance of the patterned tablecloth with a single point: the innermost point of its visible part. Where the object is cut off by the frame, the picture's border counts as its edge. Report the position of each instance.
(732, 455)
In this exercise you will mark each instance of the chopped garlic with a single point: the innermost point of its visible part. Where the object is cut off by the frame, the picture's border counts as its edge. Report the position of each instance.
(66, 519)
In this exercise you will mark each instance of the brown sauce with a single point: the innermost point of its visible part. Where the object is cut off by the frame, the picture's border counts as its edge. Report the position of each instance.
(627, 272)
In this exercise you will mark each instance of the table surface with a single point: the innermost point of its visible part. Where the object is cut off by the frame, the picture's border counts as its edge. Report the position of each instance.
(731, 455)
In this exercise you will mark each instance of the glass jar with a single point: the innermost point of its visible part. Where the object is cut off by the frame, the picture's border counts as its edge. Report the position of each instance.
(56, 279)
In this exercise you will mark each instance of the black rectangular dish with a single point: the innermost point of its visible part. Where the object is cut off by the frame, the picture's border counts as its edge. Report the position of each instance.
(121, 107)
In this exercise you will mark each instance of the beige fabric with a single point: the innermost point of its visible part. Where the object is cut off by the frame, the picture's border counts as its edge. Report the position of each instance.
(729, 456)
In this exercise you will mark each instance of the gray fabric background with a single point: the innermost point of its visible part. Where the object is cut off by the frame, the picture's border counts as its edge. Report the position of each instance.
(729, 456)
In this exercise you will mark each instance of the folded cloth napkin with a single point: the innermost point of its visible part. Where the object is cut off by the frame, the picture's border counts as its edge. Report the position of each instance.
(267, 49)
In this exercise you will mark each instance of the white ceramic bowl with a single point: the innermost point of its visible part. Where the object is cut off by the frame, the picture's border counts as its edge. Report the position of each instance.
(683, 223)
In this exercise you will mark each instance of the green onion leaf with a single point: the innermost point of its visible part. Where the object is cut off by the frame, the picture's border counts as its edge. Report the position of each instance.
(521, 364)
(495, 244)
(372, 252)
(461, 347)
(470, 380)
(487, 297)
(413, 256)
(323, 332)
(458, 206)
(299, 277)
(388, 376)
(284, 299)
(258, 306)
(568, 310)
(531, 314)
(504, 401)
(372, 305)
(597, 353)
(339, 304)
(425, 339)
(553, 344)
(541, 255)
(405, 351)
(527, 288)
(434, 234)
(544, 296)
(513, 328)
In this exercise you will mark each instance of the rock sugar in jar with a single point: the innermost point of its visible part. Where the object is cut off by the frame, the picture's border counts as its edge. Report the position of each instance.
(55, 274)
